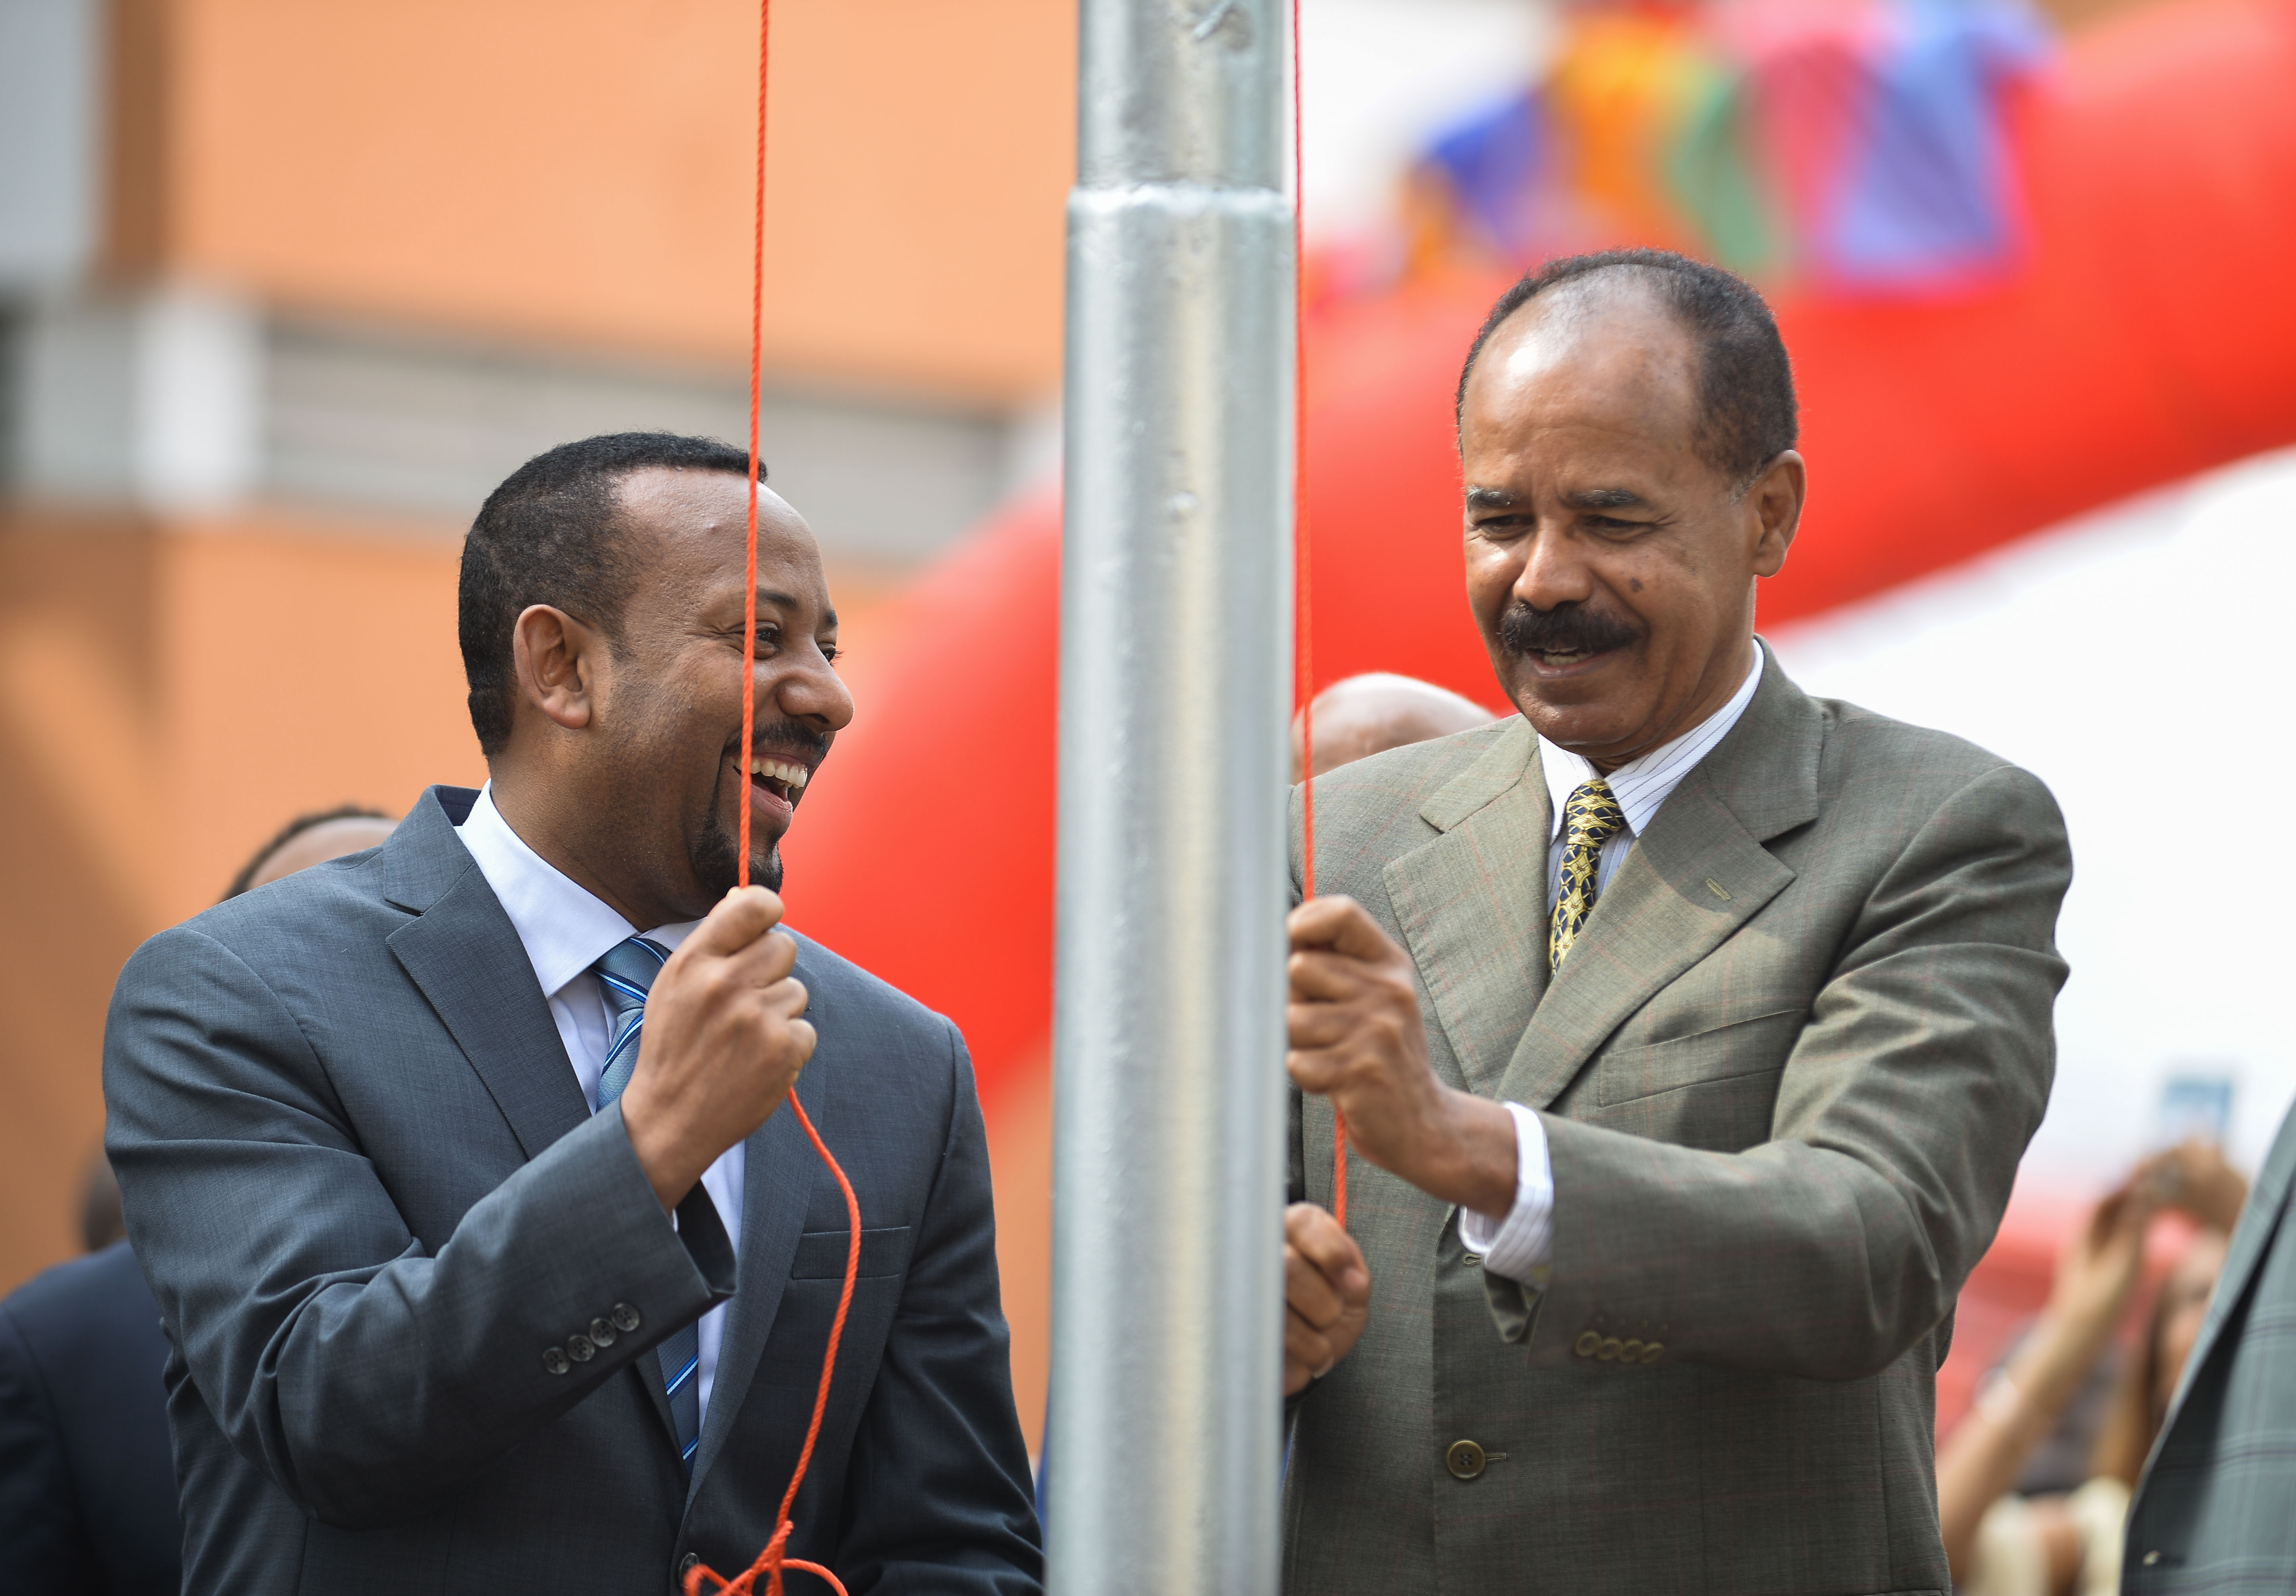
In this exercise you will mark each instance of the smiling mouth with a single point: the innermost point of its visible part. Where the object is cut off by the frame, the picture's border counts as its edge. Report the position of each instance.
(1562, 659)
(785, 779)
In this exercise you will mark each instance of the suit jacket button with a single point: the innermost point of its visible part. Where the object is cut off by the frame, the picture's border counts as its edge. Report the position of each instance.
(1630, 1351)
(1607, 1353)
(601, 1332)
(625, 1317)
(579, 1349)
(1589, 1342)
(1651, 1350)
(553, 1359)
(688, 1564)
(1464, 1459)
(2150, 1558)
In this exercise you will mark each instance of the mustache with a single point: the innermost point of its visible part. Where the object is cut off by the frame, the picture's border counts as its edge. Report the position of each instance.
(1566, 629)
(784, 736)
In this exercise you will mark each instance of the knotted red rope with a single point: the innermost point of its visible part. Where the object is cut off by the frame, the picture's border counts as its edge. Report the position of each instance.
(1303, 593)
(774, 1560)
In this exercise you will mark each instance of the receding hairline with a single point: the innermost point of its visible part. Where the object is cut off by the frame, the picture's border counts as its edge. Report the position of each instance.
(1579, 304)
(787, 522)
(774, 511)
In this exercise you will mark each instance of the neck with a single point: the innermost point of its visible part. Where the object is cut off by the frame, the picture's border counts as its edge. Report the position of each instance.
(527, 806)
(1721, 689)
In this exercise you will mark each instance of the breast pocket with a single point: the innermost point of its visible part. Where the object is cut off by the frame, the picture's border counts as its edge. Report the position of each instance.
(1754, 1046)
(821, 1254)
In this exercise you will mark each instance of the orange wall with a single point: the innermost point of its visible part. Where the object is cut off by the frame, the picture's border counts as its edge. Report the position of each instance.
(167, 700)
(582, 170)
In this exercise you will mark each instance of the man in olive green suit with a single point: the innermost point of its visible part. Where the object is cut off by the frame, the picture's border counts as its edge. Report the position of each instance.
(1688, 1029)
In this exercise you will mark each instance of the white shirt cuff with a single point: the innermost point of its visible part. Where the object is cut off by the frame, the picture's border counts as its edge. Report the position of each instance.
(1521, 1245)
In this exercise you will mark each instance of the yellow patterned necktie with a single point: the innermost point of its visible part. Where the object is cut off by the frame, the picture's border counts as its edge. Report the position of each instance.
(1590, 819)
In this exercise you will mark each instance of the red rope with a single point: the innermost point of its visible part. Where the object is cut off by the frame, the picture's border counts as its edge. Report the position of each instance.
(773, 1559)
(1303, 592)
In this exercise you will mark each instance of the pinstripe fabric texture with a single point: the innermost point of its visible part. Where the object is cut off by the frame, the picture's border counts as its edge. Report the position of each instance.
(2216, 1511)
(625, 974)
(1785, 1076)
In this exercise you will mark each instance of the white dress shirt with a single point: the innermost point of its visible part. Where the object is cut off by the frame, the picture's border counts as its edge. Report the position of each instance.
(565, 930)
(1520, 1246)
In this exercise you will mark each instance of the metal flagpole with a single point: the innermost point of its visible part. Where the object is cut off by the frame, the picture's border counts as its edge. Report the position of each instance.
(1176, 628)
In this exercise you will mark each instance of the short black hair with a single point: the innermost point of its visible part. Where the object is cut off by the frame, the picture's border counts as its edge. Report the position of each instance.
(1747, 416)
(551, 534)
(288, 833)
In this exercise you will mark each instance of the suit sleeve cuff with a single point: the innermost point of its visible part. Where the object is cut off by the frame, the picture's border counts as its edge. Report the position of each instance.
(1521, 1245)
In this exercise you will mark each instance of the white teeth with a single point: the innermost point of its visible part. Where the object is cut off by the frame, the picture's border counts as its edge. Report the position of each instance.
(794, 776)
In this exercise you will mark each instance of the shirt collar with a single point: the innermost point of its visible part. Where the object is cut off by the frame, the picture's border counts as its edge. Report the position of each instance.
(1642, 784)
(564, 928)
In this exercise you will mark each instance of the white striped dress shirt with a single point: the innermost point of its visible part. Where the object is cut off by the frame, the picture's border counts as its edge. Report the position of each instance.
(1520, 1246)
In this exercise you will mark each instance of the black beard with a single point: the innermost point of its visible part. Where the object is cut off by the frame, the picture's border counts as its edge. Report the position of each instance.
(1566, 629)
(716, 855)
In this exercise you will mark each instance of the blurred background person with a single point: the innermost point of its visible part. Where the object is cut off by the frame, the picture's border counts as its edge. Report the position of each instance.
(1371, 713)
(87, 1481)
(2215, 1509)
(2000, 1543)
(309, 839)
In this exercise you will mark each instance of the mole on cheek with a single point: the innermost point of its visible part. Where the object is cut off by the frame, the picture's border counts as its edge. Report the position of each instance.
(1635, 583)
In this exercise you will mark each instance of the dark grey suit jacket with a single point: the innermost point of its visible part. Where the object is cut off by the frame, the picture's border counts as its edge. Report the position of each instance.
(368, 1195)
(2217, 1508)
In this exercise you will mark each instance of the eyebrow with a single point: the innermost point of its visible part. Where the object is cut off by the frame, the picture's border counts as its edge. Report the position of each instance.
(1491, 498)
(1602, 498)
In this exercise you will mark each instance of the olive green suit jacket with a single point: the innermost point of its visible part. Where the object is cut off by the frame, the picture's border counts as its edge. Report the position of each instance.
(1785, 1076)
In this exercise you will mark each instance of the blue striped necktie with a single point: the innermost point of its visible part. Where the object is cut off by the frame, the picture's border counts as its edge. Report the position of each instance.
(627, 974)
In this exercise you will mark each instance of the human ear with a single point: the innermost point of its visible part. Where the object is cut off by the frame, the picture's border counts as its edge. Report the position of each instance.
(1775, 500)
(554, 655)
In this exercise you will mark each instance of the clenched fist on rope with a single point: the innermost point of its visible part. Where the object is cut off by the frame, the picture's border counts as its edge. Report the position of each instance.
(722, 1043)
(1356, 1038)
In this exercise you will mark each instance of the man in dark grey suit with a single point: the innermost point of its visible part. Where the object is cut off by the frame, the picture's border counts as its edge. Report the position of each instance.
(491, 1258)
(2216, 1510)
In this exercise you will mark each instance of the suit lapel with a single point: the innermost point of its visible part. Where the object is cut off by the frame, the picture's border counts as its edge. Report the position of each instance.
(1471, 904)
(779, 1168)
(1698, 874)
(464, 953)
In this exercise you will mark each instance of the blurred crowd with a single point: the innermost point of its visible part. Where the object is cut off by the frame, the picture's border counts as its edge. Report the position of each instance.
(2054, 1540)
